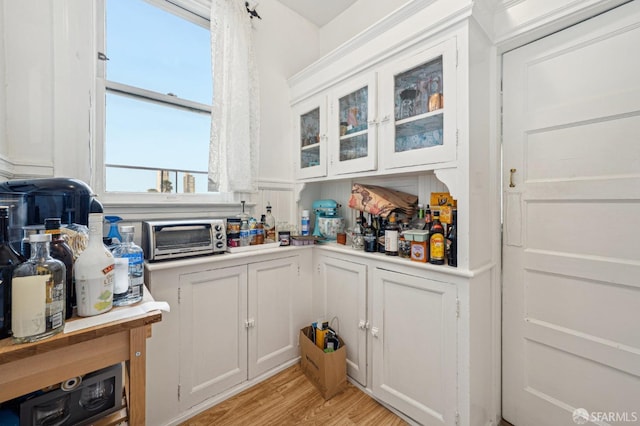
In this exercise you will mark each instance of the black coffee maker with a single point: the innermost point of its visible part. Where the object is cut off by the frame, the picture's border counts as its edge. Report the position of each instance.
(34, 200)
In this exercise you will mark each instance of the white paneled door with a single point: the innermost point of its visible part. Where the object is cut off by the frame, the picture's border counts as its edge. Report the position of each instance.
(571, 282)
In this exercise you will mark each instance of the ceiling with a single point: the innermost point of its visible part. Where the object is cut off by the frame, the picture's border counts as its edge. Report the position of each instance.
(318, 11)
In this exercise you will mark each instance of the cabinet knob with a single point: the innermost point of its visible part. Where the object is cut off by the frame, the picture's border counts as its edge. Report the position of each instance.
(374, 332)
(385, 118)
(362, 325)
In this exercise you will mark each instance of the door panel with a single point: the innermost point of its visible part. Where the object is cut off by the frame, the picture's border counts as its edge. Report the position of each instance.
(571, 252)
(272, 337)
(345, 300)
(213, 338)
(413, 327)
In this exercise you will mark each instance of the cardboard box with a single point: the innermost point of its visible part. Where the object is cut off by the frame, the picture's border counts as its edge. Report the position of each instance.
(326, 370)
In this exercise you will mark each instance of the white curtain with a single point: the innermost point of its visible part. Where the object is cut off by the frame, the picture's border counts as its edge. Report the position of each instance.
(235, 120)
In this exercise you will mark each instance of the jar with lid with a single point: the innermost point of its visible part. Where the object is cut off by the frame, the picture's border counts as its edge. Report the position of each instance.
(38, 294)
(132, 291)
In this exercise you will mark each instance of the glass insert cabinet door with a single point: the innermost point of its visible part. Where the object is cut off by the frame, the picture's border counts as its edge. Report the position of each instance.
(419, 122)
(352, 129)
(310, 121)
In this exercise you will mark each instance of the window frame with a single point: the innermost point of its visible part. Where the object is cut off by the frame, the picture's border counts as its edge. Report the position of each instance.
(194, 11)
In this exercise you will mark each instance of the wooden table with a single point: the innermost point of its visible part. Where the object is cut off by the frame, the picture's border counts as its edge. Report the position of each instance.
(28, 367)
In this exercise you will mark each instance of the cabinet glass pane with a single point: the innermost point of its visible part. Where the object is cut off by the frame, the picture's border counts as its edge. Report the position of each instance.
(310, 157)
(310, 128)
(418, 134)
(419, 90)
(354, 119)
(354, 110)
(354, 147)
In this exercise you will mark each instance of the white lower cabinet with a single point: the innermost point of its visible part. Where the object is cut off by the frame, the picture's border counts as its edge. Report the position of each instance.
(343, 286)
(402, 323)
(228, 324)
(413, 329)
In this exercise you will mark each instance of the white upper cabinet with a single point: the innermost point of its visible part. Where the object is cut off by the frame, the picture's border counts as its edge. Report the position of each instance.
(352, 129)
(418, 108)
(310, 133)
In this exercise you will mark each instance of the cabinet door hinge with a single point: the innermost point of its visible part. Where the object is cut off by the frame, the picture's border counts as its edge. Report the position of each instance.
(179, 295)
(179, 394)
(457, 418)
(457, 308)
(298, 270)
(456, 58)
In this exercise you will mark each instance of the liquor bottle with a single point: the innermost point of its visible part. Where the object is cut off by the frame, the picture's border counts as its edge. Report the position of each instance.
(94, 273)
(391, 235)
(38, 294)
(357, 237)
(452, 240)
(370, 239)
(60, 250)
(427, 219)
(418, 221)
(381, 227)
(9, 259)
(436, 241)
(269, 226)
(129, 250)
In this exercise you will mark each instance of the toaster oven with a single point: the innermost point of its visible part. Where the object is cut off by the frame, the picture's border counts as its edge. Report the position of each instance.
(174, 239)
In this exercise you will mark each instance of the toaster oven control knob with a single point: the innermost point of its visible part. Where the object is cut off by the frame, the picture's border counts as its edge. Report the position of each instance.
(219, 245)
(217, 227)
(219, 236)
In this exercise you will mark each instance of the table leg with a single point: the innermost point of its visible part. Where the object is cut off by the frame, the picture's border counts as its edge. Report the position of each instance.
(137, 376)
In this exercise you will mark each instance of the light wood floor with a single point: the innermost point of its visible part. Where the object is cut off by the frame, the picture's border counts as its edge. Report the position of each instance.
(289, 398)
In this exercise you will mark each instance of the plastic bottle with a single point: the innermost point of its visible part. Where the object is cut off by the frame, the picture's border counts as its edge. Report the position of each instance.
(9, 259)
(113, 235)
(304, 223)
(94, 273)
(38, 294)
(127, 249)
(60, 250)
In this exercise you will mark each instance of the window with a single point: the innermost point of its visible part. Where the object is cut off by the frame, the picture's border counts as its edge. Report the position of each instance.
(157, 87)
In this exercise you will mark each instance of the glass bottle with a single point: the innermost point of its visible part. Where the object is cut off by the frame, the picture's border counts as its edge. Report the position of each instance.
(9, 259)
(269, 226)
(381, 227)
(452, 240)
(418, 221)
(436, 241)
(94, 273)
(427, 219)
(60, 250)
(357, 237)
(38, 294)
(391, 235)
(127, 249)
(370, 239)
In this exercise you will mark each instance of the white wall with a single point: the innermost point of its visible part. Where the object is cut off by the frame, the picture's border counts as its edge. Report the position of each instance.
(360, 16)
(47, 67)
(284, 44)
